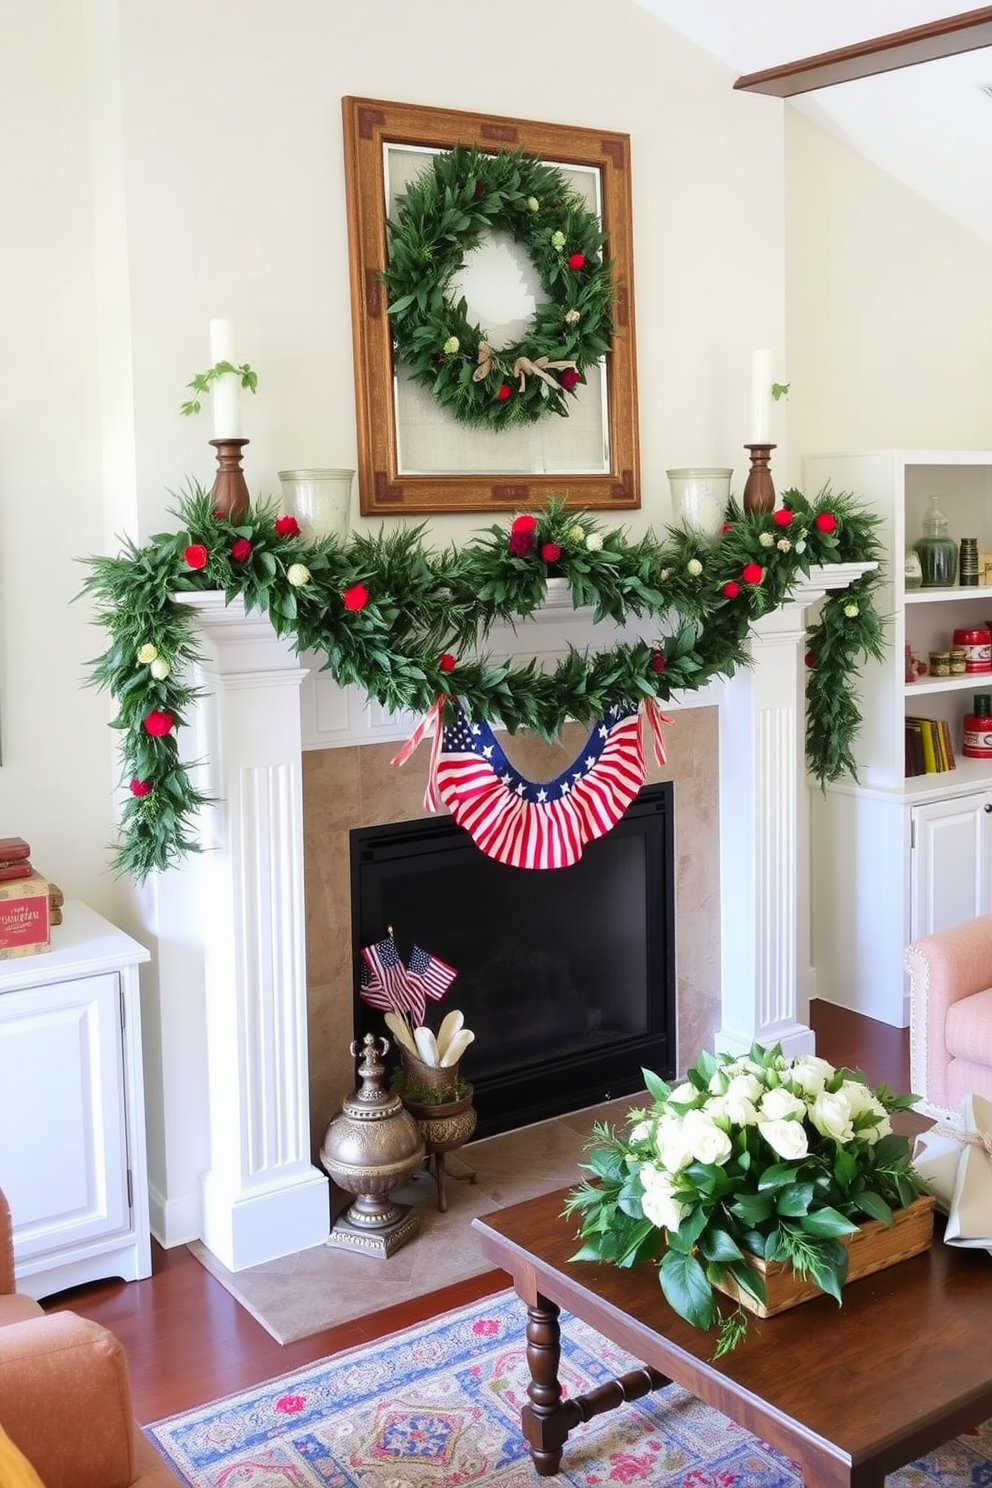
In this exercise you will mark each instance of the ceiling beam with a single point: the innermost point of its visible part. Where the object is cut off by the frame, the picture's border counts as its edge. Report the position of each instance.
(941, 38)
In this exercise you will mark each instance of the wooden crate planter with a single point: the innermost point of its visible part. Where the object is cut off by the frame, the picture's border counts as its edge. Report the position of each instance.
(872, 1248)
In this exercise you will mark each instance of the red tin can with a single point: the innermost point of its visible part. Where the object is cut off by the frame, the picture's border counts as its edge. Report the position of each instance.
(977, 647)
(976, 742)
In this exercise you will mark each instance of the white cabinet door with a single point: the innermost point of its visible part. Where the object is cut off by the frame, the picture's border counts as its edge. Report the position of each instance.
(950, 861)
(63, 1137)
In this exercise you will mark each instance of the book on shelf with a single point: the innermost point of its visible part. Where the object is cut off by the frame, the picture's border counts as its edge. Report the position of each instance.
(929, 749)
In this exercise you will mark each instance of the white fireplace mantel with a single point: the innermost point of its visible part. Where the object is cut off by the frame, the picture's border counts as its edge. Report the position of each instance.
(247, 1187)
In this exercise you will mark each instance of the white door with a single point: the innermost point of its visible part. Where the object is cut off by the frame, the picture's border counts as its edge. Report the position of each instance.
(950, 862)
(63, 1138)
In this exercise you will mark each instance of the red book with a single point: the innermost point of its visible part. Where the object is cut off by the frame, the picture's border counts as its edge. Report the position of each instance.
(12, 849)
(22, 869)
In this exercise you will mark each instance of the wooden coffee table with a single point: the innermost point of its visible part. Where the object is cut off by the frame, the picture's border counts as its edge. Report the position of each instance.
(851, 1393)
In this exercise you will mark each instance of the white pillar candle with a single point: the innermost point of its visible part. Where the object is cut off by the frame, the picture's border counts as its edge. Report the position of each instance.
(225, 393)
(761, 397)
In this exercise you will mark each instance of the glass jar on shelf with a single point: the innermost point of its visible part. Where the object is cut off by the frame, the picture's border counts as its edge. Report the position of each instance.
(937, 549)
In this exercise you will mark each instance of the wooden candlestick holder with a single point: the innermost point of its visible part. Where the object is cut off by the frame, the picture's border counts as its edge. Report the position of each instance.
(230, 492)
(759, 489)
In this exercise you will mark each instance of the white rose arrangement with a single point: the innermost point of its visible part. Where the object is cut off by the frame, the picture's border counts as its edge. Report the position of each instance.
(750, 1156)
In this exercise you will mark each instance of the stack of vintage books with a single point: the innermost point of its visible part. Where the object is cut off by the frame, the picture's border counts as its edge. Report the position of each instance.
(25, 902)
(929, 750)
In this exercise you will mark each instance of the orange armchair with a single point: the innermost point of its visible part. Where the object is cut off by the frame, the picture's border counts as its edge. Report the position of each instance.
(951, 1015)
(65, 1400)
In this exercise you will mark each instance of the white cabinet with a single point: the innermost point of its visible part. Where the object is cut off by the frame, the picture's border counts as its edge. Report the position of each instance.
(894, 857)
(949, 881)
(72, 1130)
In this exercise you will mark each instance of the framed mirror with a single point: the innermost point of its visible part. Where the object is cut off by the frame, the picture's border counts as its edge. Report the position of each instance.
(414, 455)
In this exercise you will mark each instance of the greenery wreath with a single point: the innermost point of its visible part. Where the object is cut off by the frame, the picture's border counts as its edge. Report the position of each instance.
(441, 216)
(404, 623)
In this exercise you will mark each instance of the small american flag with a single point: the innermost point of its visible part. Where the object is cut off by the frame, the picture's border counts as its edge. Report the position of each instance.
(432, 975)
(387, 979)
(543, 824)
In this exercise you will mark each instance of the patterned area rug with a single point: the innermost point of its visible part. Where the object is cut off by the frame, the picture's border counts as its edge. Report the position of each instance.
(438, 1406)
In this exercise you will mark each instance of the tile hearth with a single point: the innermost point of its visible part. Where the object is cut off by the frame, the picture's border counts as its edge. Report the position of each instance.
(323, 1286)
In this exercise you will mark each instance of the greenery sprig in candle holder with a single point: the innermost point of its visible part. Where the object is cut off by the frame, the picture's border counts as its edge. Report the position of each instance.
(202, 383)
(408, 624)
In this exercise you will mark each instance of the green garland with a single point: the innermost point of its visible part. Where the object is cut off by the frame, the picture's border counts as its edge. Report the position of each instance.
(441, 216)
(404, 623)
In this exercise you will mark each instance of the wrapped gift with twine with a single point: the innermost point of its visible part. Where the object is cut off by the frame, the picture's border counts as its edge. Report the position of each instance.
(956, 1163)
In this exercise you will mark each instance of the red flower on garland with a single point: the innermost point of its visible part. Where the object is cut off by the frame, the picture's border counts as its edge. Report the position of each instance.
(825, 522)
(576, 261)
(503, 392)
(810, 659)
(196, 556)
(446, 662)
(140, 787)
(782, 517)
(728, 527)
(355, 598)
(524, 523)
(569, 378)
(731, 589)
(752, 573)
(551, 552)
(241, 550)
(520, 543)
(287, 527)
(158, 724)
(479, 190)
(658, 662)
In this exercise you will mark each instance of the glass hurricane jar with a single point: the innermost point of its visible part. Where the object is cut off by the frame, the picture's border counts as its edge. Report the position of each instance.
(937, 549)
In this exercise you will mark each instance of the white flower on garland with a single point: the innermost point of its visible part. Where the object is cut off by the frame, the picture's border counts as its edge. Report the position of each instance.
(850, 610)
(160, 669)
(594, 542)
(533, 205)
(694, 568)
(766, 539)
(573, 316)
(298, 574)
(147, 653)
(451, 346)
(576, 534)
(783, 545)
(558, 240)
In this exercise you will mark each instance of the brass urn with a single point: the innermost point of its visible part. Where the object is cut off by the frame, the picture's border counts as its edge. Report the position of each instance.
(370, 1148)
(441, 1104)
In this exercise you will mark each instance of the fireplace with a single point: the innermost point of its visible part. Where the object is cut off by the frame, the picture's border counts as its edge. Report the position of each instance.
(566, 976)
(249, 993)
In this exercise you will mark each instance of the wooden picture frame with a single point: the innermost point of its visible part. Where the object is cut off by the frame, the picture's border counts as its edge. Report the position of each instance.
(611, 479)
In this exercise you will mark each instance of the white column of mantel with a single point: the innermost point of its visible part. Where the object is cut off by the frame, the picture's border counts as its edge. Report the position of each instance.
(261, 1197)
(764, 832)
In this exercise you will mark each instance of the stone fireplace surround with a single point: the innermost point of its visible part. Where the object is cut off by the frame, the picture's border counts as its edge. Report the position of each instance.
(251, 981)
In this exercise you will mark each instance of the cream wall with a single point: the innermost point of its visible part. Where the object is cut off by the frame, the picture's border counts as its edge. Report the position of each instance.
(889, 331)
(175, 163)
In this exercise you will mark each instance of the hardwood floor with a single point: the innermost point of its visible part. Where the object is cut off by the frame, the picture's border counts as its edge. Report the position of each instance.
(188, 1341)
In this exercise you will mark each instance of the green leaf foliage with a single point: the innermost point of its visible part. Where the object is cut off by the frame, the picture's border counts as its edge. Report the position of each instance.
(693, 599)
(706, 1173)
(462, 197)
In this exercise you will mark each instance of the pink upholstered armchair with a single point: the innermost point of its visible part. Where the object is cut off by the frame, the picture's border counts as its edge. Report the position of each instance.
(951, 1017)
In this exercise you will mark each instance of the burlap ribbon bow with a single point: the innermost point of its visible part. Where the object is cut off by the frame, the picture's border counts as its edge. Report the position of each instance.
(523, 368)
(956, 1163)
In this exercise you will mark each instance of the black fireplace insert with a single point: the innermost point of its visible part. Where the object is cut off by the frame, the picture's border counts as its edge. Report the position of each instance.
(566, 976)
